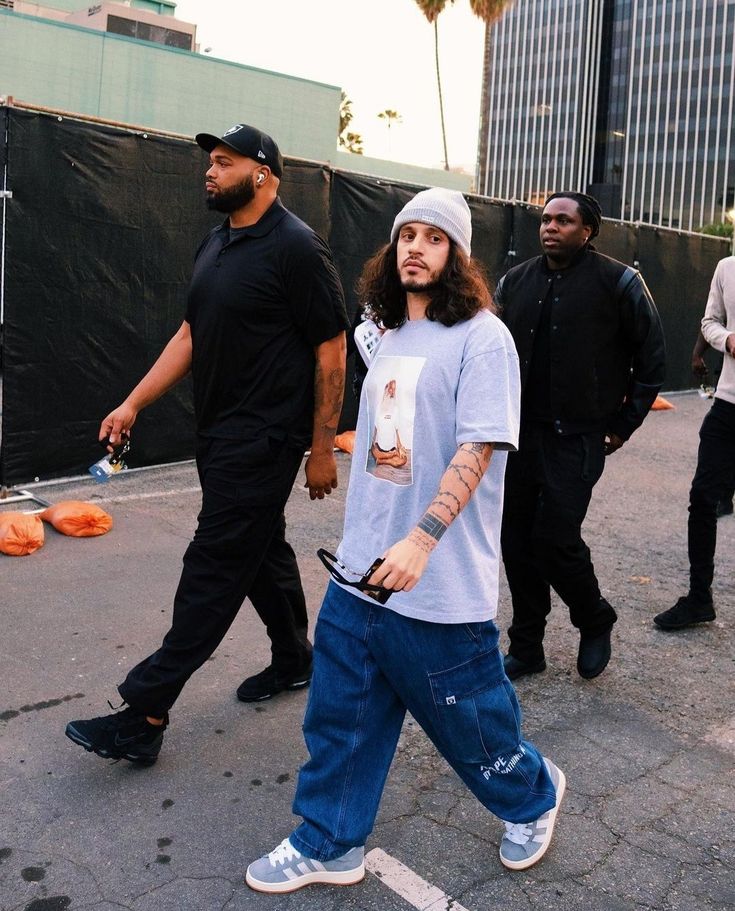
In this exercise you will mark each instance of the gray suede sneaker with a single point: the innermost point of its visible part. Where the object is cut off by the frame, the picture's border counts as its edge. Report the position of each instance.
(524, 844)
(286, 870)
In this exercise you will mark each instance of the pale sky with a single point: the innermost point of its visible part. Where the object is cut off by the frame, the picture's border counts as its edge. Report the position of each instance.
(381, 52)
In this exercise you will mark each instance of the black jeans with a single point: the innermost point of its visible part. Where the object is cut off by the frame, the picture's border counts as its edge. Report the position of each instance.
(548, 485)
(239, 550)
(713, 481)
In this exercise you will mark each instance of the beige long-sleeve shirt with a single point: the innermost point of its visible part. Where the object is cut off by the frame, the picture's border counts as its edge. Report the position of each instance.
(719, 322)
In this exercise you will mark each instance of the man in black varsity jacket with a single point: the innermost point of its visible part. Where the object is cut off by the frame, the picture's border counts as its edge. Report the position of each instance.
(591, 351)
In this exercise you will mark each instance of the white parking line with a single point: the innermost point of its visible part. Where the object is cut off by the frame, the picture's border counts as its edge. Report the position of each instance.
(147, 496)
(409, 885)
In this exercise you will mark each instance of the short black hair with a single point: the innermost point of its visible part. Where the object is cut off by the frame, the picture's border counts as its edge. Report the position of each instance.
(589, 208)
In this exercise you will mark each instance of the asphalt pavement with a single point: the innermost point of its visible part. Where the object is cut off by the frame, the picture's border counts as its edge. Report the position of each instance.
(648, 822)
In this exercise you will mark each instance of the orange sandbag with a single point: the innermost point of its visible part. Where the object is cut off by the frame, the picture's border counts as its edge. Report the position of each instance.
(78, 519)
(345, 441)
(661, 404)
(20, 534)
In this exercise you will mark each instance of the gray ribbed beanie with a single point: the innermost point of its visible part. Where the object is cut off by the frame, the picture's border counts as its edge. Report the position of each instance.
(445, 209)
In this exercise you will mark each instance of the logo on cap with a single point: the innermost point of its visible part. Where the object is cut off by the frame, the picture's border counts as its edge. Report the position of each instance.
(238, 126)
(260, 153)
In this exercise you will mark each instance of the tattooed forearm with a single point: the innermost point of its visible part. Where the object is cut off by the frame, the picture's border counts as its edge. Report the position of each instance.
(458, 483)
(328, 391)
(329, 381)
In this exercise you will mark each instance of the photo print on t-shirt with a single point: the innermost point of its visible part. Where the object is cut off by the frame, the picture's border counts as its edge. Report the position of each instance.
(391, 393)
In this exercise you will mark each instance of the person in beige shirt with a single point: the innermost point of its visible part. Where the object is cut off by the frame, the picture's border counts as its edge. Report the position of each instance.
(715, 462)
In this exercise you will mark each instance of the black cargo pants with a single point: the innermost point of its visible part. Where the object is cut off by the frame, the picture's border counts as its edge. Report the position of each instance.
(239, 550)
(713, 481)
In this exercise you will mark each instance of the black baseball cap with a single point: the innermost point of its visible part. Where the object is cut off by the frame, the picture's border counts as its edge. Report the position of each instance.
(248, 141)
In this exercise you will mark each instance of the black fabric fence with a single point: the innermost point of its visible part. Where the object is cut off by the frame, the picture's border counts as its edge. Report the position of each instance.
(99, 237)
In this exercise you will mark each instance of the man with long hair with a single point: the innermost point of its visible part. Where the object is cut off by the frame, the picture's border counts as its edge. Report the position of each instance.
(416, 633)
(591, 351)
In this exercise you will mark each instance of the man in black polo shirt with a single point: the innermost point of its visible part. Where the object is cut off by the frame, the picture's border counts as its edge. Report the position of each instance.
(264, 338)
(591, 352)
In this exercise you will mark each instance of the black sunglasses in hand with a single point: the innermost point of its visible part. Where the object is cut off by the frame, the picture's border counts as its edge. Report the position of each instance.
(377, 592)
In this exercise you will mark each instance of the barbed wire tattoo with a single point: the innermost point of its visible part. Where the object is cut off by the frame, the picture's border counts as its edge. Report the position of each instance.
(446, 500)
(422, 540)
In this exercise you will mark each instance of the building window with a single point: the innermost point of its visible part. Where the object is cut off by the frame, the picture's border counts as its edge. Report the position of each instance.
(131, 28)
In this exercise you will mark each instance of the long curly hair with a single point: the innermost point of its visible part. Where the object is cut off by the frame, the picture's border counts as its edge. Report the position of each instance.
(461, 291)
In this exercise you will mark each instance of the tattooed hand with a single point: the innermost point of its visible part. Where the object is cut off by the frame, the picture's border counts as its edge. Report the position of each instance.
(404, 563)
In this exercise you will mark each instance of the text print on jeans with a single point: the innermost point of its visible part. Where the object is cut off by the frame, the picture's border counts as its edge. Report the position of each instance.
(503, 766)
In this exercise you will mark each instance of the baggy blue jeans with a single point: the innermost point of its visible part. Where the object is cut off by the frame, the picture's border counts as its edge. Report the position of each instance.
(370, 666)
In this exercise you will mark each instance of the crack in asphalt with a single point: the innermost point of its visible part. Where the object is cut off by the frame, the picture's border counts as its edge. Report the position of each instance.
(178, 879)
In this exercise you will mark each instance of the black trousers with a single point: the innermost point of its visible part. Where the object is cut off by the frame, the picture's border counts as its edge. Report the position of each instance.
(239, 550)
(713, 481)
(548, 485)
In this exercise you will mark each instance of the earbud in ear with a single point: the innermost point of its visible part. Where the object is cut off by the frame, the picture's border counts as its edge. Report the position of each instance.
(261, 178)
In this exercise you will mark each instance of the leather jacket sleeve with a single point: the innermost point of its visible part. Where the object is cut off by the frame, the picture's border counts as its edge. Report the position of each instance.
(645, 336)
(498, 297)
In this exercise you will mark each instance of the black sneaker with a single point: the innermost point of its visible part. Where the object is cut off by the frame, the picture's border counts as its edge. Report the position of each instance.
(685, 612)
(122, 735)
(724, 508)
(271, 681)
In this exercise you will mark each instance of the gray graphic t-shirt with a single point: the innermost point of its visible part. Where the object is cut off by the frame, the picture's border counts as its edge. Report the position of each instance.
(430, 388)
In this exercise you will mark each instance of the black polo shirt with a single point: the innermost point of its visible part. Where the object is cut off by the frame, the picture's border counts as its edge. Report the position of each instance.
(258, 305)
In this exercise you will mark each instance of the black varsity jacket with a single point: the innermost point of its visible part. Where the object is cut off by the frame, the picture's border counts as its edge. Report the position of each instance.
(606, 340)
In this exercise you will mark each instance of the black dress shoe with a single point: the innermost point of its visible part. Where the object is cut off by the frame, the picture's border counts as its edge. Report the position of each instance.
(594, 654)
(686, 612)
(515, 668)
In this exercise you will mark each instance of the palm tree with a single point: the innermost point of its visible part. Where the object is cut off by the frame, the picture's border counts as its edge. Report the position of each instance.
(348, 140)
(390, 117)
(487, 10)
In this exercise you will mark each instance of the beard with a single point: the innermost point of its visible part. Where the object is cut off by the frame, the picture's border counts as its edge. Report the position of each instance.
(414, 286)
(231, 200)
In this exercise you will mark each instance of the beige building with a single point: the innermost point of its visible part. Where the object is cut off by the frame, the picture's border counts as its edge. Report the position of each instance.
(136, 63)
